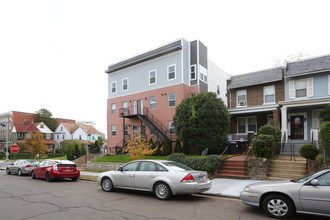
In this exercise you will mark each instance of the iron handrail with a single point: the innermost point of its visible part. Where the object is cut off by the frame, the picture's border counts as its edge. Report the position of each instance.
(247, 154)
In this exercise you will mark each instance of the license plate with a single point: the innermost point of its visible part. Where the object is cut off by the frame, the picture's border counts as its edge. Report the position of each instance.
(201, 178)
(67, 170)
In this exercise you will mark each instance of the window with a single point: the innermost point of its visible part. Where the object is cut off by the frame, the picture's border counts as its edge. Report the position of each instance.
(301, 88)
(218, 89)
(324, 180)
(125, 84)
(113, 109)
(125, 107)
(134, 128)
(113, 130)
(61, 128)
(79, 137)
(269, 94)
(131, 166)
(203, 73)
(171, 99)
(152, 77)
(113, 87)
(126, 130)
(63, 137)
(171, 127)
(147, 166)
(42, 126)
(246, 124)
(241, 98)
(171, 72)
(192, 72)
(152, 102)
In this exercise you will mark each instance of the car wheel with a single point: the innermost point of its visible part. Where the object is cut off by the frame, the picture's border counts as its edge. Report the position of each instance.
(278, 206)
(162, 191)
(107, 185)
(74, 179)
(19, 172)
(48, 178)
(8, 171)
(33, 175)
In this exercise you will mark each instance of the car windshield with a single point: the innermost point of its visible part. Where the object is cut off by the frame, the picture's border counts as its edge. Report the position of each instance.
(303, 179)
(177, 166)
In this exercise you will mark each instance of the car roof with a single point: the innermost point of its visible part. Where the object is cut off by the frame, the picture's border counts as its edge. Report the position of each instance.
(64, 161)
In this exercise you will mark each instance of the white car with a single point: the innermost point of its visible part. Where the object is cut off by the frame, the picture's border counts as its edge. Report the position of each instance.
(163, 178)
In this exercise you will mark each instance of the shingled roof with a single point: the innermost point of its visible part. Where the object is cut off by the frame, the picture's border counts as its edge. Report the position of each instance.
(308, 66)
(256, 78)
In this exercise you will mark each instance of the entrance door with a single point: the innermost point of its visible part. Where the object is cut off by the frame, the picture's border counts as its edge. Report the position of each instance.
(297, 127)
(138, 107)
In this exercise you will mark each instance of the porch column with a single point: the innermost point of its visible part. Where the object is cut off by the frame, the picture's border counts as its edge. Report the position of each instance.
(275, 118)
(284, 117)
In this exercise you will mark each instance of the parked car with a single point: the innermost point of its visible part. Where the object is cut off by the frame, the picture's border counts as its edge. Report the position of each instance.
(163, 178)
(21, 167)
(281, 199)
(54, 169)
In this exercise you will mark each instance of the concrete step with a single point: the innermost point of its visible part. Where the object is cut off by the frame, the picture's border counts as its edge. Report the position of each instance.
(288, 158)
(234, 168)
(288, 171)
(284, 175)
(243, 177)
(288, 163)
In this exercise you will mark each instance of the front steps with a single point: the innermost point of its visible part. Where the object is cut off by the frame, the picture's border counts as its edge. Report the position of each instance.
(282, 168)
(233, 168)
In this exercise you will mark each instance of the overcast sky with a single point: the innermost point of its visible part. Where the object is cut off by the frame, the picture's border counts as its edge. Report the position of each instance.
(53, 54)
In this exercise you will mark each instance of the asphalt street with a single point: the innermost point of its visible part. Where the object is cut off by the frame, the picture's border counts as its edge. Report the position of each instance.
(25, 198)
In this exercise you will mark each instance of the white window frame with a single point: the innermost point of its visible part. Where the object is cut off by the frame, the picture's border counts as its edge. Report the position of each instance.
(238, 104)
(171, 128)
(169, 100)
(155, 77)
(125, 109)
(113, 130)
(115, 83)
(113, 108)
(218, 89)
(124, 84)
(309, 88)
(195, 67)
(203, 74)
(247, 124)
(150, 103)
(168, 73)
(265, 87)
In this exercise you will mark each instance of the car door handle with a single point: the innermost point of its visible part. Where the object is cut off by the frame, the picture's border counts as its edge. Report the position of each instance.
(152, 176)
(131, 175)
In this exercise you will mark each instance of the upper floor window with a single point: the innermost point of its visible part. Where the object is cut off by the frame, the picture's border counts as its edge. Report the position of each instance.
(203, 73)
(171, 99)
(152, 102)
(152, 77)
(301, 88)
(269, 94)
(113, 87)
(125, 84)
(171, 72)
(171, 127)
(192, 72)
(113, 130)
(113, 109)
(218, 89)
(241, 98)
(125, 107)
(41, 125)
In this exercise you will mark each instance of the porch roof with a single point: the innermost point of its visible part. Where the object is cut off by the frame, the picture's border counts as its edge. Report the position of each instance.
(305, 102)
(253, 109)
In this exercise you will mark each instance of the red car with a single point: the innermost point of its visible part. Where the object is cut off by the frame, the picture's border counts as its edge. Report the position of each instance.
(54, 169)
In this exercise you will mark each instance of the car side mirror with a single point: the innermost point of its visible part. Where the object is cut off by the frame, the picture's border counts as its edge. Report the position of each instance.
(11, 164)
(120, 169)
(315, 182)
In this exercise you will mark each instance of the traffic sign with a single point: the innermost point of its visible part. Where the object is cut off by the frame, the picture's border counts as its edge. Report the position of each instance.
(14, 148)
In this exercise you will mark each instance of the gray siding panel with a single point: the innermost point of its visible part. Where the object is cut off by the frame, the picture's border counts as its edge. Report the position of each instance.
(202, 55)
(202, 86)
(193, 52)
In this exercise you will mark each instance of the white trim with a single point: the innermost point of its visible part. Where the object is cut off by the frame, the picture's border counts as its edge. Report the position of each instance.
(113, 104)
(305, 122)
(174, 72)
(305, 102)
(237, 104)
(171, 100)
(193, 65)
(116, 87)
(155, 77)
(292, 91)
(182, 49)
(247, 124)
(310, 89)
(152, 103)
(122, 86)
(268, 103)
(259, 108)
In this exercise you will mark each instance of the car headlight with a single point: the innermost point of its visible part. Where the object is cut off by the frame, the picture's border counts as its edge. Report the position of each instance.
(246, 189)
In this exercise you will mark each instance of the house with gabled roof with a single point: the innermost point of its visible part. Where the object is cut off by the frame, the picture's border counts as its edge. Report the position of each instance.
(92, 132)
(69, 131)
(253, 101)
(307, 92)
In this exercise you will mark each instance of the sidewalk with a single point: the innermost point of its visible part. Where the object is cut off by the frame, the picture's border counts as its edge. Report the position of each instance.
(220, 187)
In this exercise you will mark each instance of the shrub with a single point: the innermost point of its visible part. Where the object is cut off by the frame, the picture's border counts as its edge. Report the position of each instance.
(325, 113)
(325, 137)
(209, 164)
(271, 130)
(262, 145)
(309, 151)
(177, 148)
(167, 147)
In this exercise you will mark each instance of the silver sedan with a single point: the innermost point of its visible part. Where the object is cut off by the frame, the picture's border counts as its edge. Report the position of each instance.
(163, 178)
(21, 167)
(281, 199)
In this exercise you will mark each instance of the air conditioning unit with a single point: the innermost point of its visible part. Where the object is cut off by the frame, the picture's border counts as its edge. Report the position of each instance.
(242, 104)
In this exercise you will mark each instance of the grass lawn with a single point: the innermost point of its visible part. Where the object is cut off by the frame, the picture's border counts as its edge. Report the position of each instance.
(124, 158)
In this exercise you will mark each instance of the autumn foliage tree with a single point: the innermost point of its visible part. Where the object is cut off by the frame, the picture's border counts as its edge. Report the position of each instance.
(138, 147)
(35, 144)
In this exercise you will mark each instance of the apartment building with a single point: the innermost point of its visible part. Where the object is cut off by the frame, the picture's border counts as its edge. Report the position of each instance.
(144, 90)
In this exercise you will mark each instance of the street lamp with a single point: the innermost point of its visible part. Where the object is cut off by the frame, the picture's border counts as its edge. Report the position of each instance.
(4, 125)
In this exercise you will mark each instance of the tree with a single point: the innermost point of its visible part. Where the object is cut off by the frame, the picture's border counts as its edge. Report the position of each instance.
(35, 144)
(138, 147)
(167, 147)
(45, 116)
(325, 113)
(152, 144)
(76, 151)
(291, 58)
(325, 137)
(177, 148)
(201, 122)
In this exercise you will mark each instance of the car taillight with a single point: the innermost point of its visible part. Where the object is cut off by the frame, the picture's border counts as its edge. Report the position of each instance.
(55, 167)
(28, 165)
(188, 178)
(77, 167)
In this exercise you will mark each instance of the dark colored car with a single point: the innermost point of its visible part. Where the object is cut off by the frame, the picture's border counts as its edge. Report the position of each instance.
(21, 167)
(55, 169)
